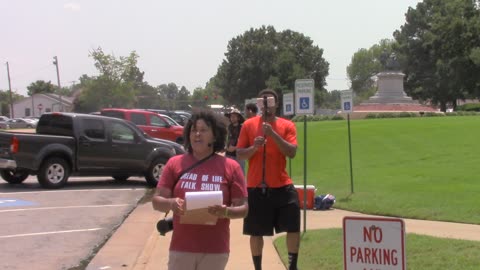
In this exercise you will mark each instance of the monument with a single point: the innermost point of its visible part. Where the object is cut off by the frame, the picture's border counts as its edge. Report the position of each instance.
(390, 96)
(390, 84)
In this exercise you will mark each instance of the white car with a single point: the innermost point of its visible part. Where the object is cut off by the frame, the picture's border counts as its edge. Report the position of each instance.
(170, 121)
(21, 123)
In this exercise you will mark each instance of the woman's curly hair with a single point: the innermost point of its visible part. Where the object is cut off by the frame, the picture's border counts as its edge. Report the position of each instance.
(213, 120)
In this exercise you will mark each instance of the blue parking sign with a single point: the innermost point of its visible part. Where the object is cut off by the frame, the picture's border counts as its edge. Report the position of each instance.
(288, 107)
(347, 106)
(304, 103)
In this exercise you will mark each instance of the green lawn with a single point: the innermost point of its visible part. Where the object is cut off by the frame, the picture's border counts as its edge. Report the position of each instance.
(421, 168)
(323, 249)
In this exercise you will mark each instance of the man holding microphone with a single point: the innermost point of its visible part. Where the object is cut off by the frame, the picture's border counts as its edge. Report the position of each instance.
(272, 197)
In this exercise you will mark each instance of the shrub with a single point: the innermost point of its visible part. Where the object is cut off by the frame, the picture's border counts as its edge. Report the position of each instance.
(370, 116)
(337, 117)
(470, 107)
(433, 114)
(406, 114)
(386, 115)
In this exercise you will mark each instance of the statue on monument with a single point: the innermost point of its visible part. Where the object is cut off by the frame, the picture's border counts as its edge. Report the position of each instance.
(389, 62)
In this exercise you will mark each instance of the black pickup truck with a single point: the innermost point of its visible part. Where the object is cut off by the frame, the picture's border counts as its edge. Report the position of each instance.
(84, 145)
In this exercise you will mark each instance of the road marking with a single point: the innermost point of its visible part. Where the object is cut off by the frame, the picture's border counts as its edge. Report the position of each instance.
(8, 202)
(46, 233)
(64, 207)
(75, 190)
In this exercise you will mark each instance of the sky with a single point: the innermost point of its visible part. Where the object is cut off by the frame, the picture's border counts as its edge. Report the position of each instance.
(183, 42)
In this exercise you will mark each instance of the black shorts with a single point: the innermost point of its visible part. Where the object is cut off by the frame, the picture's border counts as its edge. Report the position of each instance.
(278, 208)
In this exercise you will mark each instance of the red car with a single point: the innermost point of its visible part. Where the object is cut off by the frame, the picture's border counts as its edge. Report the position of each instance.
(151, 123)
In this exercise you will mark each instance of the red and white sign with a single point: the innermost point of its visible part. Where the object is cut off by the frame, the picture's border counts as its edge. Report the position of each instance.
(40, 107)
(373, 243)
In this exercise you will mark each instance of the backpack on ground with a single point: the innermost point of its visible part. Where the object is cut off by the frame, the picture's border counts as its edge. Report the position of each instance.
(323, 202)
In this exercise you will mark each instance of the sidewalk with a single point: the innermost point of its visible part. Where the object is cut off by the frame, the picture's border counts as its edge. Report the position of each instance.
(136, 245)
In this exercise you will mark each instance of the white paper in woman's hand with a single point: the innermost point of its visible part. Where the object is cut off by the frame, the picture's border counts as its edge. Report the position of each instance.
(203, 199)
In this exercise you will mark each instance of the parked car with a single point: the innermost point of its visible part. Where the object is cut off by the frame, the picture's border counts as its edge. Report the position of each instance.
(4, 125)
(150, 122)
(175, 116)
(4, 118)
(85, 145)
(169, 120)
(21, 123)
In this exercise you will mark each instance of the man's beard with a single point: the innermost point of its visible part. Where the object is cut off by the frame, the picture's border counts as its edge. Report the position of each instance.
(270, 113)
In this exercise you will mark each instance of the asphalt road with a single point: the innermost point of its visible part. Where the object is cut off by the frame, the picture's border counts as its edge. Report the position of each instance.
(62, 229)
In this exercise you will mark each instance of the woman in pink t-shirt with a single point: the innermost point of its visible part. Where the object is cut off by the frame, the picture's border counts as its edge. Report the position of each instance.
(199, 246)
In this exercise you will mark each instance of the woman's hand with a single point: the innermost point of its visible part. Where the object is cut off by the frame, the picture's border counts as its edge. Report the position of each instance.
(177, 206)
(218, 211)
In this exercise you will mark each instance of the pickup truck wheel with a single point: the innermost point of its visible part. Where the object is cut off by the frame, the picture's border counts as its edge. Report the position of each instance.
(14, 176)
(155, 171)
(53, 173)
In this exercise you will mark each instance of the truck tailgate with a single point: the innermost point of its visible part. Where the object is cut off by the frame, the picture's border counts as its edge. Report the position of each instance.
(30, 147)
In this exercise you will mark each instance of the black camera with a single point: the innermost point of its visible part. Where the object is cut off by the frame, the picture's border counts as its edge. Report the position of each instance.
(165, 225)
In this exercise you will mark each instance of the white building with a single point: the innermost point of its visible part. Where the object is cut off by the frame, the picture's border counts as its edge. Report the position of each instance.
(38, 104)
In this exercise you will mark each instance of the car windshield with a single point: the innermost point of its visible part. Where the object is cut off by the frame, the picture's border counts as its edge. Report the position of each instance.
(170, 120)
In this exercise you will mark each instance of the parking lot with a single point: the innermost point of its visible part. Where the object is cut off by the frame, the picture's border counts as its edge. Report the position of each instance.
(62, 229)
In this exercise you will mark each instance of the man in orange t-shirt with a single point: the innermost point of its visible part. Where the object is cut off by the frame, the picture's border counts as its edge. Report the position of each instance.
(272, 198)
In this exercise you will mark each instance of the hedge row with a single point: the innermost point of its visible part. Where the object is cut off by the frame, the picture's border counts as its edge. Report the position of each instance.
(386, 115)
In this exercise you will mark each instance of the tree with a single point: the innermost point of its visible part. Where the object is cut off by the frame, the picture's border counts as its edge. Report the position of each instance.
(5, 101)
(40, 86)
(439, 45)
(262, 58)
(117, 85)
(365, 64)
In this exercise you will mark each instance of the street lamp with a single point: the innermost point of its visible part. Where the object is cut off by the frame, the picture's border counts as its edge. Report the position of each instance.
(55, 62)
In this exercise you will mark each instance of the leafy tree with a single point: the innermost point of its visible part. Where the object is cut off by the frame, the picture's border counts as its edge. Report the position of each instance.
(40, 86)
(5, 101)
(147, 97)
(365, 64)
(183, 99)
(117, 85)
(439, 45)
(263, 57)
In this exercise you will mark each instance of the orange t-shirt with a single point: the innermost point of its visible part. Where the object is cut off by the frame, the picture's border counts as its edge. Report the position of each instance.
(275, 173)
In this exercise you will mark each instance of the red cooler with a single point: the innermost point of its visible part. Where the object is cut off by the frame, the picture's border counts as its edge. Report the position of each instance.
(310, 195)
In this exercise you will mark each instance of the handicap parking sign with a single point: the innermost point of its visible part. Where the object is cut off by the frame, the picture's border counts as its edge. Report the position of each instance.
(304, 103)
(347, 106)
(288, 107)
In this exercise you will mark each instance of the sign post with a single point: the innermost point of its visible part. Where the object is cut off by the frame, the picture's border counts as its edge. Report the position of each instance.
(347, 106)
(288, 109)
(40, 108)
(373, 243)
(304, 89)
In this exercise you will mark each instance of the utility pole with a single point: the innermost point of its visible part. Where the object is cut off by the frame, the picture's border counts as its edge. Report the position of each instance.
(55, 62)
(12, 115)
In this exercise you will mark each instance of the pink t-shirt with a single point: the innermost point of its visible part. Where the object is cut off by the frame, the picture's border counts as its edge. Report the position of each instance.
(216, 173)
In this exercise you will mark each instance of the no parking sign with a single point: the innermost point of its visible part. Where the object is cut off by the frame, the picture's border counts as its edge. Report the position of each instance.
(371, 243)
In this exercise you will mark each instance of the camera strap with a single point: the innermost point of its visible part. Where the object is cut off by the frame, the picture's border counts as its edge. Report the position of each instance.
(187, 170)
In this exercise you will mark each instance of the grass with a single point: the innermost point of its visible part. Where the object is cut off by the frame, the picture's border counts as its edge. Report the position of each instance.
(323, 249)
(419, 168)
